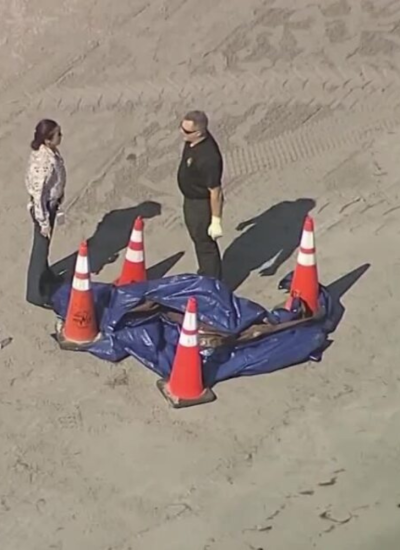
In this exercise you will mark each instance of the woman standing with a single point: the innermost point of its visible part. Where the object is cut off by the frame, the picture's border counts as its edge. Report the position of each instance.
(45, 183)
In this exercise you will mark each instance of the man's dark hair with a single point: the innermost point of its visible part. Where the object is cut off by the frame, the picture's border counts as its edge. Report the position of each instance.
(199, 119)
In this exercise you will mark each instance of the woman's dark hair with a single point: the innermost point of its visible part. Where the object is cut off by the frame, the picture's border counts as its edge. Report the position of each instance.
(44, 130)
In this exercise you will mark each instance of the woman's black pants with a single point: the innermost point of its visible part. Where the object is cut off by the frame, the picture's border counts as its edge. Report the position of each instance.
(41, 279)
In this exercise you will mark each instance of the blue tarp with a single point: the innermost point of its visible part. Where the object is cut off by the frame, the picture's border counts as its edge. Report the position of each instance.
(152, 338)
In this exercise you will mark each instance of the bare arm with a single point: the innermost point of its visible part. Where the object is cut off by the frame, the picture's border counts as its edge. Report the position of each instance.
(216, 201)
(212, 173)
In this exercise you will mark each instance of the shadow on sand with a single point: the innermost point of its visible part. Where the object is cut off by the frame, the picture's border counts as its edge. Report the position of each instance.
(269, 240)
(340, 287)
(110, 237)
(157, 271)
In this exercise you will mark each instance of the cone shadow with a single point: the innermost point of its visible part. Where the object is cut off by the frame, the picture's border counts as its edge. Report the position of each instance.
(267, 242)
(110, 237)
(157, 271)
(340, 287)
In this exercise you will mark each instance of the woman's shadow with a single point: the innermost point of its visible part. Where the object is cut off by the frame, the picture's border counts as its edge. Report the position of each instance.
(110, 237)
(269, 240)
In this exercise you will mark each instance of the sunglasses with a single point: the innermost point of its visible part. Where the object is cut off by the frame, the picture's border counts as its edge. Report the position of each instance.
(188, 132)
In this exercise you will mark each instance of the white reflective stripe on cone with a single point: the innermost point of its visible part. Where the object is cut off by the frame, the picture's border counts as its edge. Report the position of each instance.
(306, 260)
(81, 284)
(82, 265)
(134, 255)
(188, 340)
(190, 321)
(307, 239)
(137, 236)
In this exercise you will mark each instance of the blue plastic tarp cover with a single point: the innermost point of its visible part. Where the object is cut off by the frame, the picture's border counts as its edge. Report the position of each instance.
(152, 338)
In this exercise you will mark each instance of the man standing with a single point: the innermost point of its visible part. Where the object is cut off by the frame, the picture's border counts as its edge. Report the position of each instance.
(199, 180)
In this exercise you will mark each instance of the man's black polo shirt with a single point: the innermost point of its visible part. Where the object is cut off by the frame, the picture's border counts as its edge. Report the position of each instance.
(200, 168)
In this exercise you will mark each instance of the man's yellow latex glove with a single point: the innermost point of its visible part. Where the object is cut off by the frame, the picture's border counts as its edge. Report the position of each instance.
(215, 228)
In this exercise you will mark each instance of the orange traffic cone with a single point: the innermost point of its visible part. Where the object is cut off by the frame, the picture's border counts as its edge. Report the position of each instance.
(134, 269)
(305, 279)
(80, 325)
(185, 385)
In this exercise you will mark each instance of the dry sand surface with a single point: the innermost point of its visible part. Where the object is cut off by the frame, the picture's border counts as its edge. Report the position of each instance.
(304, 98)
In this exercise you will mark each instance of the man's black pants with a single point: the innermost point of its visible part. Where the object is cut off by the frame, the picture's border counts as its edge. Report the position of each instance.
(197, 216)
(41, 279)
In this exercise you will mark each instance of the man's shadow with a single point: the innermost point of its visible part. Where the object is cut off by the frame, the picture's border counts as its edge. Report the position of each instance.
(112, 235)
(270, 239)
(339, 288)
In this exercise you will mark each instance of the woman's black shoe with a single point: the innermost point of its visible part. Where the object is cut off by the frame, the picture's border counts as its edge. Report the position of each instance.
(46, 305)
